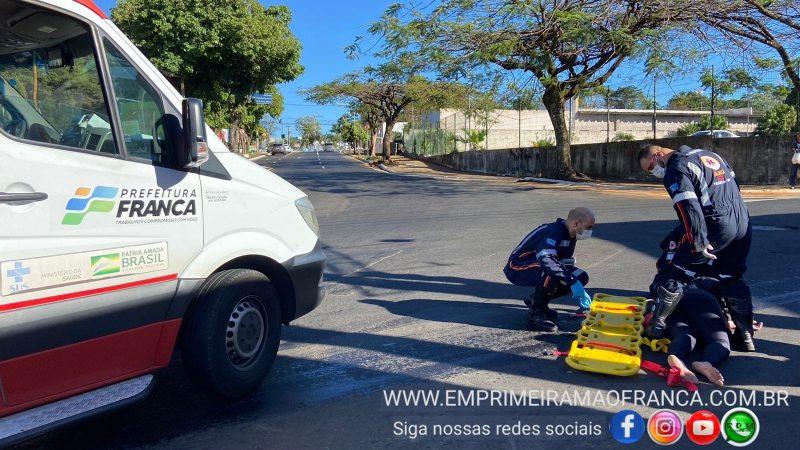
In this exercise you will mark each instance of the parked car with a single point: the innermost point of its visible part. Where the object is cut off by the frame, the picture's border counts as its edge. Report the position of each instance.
(717, 134)
(279, 148)
(118, 246)
(328, 147)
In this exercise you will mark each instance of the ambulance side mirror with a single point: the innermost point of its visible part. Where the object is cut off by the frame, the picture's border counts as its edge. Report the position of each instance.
(195, 140)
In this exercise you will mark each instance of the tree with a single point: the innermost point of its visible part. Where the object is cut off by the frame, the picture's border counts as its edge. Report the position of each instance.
(626, 97)
(371, 118)
(720, 123)
(778, 121)
(223, 50)
(621, 136)
(473, 138)
(771, 24)
(688, 129)
(691, 100)
(386, 90)
(349, 129)
(568, 45)
(309, 130)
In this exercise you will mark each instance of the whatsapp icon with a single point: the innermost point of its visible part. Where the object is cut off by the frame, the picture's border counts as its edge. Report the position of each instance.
(740, 427)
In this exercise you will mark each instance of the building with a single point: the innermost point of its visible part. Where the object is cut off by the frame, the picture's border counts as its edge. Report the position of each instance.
(506, 128)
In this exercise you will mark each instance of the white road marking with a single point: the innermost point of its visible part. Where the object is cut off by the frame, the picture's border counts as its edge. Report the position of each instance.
(613, 255)
(373, 263)
(772, 228)
(776, 300)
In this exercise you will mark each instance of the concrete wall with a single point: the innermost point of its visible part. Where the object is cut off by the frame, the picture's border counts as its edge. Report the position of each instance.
(511, 128)
(756, 160)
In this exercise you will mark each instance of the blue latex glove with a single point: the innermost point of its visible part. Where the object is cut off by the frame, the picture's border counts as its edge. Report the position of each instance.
(580, 295)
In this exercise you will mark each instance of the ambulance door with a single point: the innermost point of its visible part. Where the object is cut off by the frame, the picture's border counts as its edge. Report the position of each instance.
(96, 222)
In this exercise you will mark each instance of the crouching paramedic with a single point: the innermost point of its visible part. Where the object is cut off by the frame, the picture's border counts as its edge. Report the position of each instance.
(544, 259)
(716, 225)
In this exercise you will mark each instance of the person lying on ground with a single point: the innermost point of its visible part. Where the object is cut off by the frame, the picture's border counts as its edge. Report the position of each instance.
(544, 259)
(698, 324)
(733, 295)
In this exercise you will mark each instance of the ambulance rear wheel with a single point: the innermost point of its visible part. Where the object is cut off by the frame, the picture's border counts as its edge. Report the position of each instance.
(232, 333)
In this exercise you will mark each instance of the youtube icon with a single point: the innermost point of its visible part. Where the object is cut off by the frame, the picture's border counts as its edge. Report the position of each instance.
(702, 427)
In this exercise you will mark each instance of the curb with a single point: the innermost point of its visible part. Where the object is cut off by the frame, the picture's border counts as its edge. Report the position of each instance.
(380, 167)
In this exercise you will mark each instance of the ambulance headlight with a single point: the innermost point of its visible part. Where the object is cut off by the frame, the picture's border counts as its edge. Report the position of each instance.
(309, 215)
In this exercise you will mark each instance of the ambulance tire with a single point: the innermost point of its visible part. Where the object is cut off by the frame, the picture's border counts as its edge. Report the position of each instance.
(231, 335)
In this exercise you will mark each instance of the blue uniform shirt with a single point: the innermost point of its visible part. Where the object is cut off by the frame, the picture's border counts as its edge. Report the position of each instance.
(706, 197)
(547, 248)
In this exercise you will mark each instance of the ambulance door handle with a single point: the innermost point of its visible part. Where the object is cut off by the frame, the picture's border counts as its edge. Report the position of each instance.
(14, 197)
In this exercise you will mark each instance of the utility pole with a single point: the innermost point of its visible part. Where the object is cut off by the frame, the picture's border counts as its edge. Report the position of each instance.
(608, 115)
(797, 100)
(469, 118)
(519, 123)
(713, 99)
(655, 105)
(455, 131)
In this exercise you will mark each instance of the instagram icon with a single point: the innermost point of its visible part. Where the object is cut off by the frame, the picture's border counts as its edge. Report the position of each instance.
(664, 427)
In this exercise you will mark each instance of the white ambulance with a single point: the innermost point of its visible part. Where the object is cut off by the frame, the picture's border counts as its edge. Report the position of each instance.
(127, 229)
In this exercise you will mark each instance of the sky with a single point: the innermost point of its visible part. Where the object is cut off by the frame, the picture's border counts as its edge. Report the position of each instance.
(326, 27)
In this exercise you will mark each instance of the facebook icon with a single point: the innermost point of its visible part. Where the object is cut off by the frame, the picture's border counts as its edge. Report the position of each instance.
(627, 426)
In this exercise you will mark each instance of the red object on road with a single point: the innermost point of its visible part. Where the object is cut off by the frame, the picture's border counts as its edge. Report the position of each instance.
(672, 375)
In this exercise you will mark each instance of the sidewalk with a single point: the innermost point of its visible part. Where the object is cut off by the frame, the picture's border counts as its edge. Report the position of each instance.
(408, 166)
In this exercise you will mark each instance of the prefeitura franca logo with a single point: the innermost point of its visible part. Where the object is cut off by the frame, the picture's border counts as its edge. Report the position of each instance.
(99, 200)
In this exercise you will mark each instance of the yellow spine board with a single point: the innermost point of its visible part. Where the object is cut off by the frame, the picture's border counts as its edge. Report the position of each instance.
(610, 337)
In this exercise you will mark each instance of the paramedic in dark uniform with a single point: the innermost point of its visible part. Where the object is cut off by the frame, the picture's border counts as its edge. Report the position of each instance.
(709, 204)
(544, 259)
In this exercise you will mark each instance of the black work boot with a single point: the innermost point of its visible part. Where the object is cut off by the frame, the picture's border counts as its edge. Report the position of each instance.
(740, 307)
(550, 313)
(537, 312)
(665, 303)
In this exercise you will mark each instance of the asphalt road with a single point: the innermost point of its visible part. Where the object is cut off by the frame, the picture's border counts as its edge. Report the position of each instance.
(416, 299)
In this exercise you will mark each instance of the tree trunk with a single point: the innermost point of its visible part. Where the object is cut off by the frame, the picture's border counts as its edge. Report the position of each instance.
(554, 103)
(373, 142)
(388, 136)
(233, 136)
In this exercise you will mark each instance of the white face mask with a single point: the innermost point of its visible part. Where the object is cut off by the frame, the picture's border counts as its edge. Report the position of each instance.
(658, 171)
(583, 236)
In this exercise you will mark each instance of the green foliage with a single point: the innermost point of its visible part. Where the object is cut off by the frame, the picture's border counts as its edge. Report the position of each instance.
(348, 129)
(382, 93)
(720, 123)
(688, 129)
(567, 47)
(778, 121)
(626, 97)
(224, 50)
(623, 137)
(474, 138)
(309, 129)
(543, 143)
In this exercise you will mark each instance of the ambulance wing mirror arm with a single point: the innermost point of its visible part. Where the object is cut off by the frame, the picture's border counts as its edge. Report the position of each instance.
(195, 140)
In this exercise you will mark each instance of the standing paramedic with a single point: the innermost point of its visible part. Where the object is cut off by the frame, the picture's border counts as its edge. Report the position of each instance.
(706, 196)
(544, 259)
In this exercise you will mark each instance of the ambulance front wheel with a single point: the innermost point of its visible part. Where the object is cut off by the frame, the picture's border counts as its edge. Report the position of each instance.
(232, 332)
